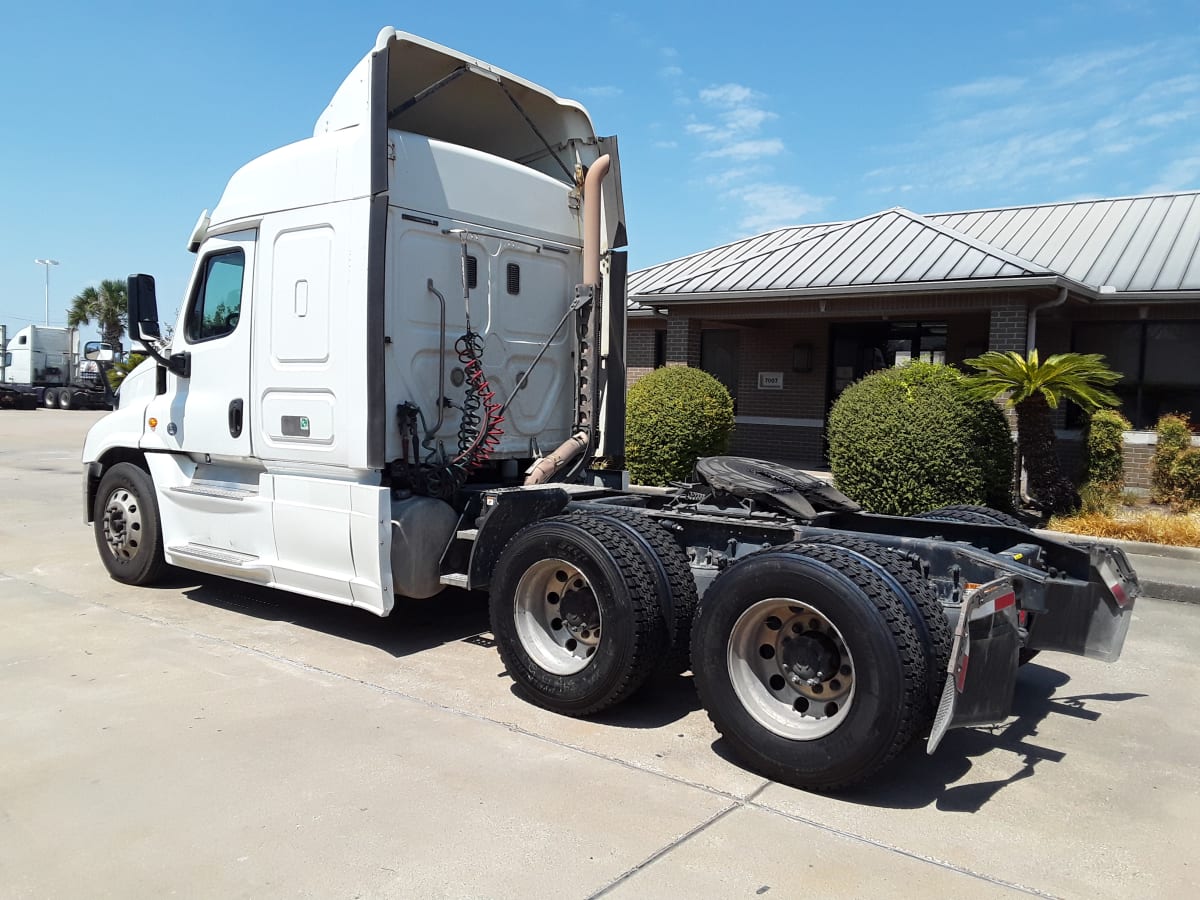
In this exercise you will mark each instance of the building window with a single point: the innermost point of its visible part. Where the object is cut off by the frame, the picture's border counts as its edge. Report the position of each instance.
(660, 348)
(719, 357)
(1156, 361)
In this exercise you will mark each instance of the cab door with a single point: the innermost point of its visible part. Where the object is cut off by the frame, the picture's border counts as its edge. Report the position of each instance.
(207, 412)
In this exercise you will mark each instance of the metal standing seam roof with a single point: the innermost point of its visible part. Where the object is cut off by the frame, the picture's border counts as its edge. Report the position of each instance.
(1131, 244)
(891, 247)
(1125, 245)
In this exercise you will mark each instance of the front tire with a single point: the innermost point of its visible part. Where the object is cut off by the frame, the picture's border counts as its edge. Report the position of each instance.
(809, 665)
(127, 526)
(575, 614)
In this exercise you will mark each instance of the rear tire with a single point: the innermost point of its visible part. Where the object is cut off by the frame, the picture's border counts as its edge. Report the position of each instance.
(66, 399)
(905, 568)
(50, 398)
(676, 588)
(575, 614)
(820, 615)
(127, 526)
(977, 515)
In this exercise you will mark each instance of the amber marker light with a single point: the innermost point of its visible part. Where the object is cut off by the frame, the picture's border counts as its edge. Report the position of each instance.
(153, 422)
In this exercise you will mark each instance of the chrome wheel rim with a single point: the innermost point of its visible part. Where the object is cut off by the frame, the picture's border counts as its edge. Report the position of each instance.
(791, 669)
(557, 616)
(122, 523)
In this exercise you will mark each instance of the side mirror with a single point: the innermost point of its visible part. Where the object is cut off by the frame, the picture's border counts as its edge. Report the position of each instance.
(143, 324)
(98, 350)
(143, 308)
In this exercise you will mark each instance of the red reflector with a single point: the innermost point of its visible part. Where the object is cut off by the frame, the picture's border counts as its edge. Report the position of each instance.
(1119, 593)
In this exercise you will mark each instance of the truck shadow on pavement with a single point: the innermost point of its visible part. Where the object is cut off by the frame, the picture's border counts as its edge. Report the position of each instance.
(915, 780)
(413, 626)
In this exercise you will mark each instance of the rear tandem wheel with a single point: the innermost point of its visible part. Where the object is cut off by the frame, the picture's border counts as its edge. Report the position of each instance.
(575, 613)
(810, 666)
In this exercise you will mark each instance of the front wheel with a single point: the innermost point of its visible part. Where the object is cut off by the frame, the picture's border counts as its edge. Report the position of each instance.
(809, 665)
(128, 534)
(575, 615)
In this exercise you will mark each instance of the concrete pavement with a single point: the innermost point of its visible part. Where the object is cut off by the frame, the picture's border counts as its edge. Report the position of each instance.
(217, 739)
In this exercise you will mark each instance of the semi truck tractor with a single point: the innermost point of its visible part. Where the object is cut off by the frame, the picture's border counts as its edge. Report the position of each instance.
(398, 371)
(42, 366)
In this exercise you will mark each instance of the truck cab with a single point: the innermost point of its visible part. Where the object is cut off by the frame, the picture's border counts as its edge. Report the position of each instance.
(378, 315)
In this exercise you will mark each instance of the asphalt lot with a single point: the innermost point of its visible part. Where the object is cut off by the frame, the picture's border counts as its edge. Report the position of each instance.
(208, 738)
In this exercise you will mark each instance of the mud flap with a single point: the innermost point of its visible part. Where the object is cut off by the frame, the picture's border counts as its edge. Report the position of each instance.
(983, 662)
(1092, 623)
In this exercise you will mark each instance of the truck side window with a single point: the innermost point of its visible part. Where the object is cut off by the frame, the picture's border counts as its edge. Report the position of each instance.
(218, 302)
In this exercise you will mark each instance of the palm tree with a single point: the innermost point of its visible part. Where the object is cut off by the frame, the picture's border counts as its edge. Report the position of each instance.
(108, 305)
(1035, 388)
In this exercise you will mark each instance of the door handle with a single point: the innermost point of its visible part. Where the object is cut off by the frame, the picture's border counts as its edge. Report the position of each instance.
(235, 417)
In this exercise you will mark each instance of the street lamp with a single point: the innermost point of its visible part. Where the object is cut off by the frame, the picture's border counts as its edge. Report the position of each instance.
(47, 263)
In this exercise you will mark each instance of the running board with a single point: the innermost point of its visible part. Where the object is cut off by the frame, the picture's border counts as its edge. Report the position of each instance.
(219, 561)
(456, 579)
(230, 558)
(212, 490)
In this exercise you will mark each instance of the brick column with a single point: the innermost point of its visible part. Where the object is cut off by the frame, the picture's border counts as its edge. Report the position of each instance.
(1007, 330)
(1007, 326)
(683, 342)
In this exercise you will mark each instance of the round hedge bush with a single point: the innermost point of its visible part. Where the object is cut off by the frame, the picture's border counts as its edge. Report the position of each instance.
(673, 417)
(1185, 474)
(907, 440)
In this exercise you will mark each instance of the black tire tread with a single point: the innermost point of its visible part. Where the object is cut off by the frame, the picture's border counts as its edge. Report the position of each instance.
(647, 623)
(906, 568)
(978, 515)
(679, 581)
(144, 488)
(912, 656)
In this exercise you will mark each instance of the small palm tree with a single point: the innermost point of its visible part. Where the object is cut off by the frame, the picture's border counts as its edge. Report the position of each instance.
(107, 305)
(1035, 388)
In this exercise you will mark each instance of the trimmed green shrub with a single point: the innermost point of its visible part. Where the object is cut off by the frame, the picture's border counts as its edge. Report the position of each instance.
(907, 440)
(674, 416)
(1104, 474)
(1174, 436)
(1185, 476)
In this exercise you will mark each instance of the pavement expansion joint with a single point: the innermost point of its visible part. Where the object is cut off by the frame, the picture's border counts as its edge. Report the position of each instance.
(919, 857)
(749, 801)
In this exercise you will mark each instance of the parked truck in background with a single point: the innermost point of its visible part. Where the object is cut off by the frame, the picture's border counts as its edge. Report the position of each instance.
(399, 368)
(42, 366)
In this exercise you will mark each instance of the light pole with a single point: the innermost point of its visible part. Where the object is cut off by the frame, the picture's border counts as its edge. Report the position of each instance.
(47, 263)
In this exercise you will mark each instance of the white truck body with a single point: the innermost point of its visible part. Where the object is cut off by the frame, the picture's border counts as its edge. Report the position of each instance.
(310, 319)
(42, 355)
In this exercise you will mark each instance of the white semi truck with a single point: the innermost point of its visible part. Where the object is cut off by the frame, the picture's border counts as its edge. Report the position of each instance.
(42, 366)
(398, 369)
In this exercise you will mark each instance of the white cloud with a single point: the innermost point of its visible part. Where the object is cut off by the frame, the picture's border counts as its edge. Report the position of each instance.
(1180, 174)
(727, 95)
(670, 72)
(986, 87)
(664, 145)
(1054, 123)
(769, 205)
(747, 149)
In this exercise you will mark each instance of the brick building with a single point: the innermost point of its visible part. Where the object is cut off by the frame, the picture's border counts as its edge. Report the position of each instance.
(788, 319)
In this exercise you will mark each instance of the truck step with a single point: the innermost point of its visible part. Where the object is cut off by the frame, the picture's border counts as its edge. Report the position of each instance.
(214, 554)
(212, 490)
(468, 534)
(456, 579)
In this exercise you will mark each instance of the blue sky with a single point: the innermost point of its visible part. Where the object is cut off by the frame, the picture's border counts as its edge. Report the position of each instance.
(123, 121)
